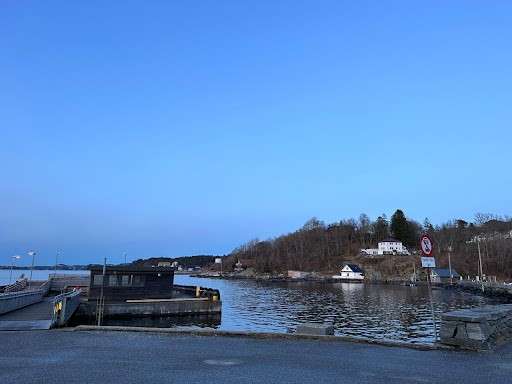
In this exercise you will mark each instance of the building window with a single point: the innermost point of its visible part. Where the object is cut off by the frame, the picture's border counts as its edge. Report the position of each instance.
(98, 280)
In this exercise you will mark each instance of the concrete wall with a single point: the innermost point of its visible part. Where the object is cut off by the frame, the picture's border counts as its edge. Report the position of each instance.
(16, 300)
(478, 328)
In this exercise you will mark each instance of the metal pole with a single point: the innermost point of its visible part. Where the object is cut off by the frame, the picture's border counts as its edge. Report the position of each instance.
(12, 267)
(33, 254)
(56, 263)
(99, 306)
(450, 263)
(125, 257)
(431, 304)
(480, 265)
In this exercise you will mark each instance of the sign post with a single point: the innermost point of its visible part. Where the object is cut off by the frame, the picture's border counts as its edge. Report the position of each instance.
(428, 262)
(218, 260)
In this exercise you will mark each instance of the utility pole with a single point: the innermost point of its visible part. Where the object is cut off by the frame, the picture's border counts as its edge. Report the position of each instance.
(124, 254)
(450, 263)
(480, 264)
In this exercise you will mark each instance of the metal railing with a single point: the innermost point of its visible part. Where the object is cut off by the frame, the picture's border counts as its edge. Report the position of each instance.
(17, 286)
(64, 306)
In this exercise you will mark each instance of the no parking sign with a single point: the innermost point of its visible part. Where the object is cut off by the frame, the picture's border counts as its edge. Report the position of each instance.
(427, 249)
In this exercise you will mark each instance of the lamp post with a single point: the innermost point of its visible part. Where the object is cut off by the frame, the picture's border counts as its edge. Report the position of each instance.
(56, 263)
(33, 254)
(13, 259)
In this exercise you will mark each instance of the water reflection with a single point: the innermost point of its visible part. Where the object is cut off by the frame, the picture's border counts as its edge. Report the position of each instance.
(355, 309)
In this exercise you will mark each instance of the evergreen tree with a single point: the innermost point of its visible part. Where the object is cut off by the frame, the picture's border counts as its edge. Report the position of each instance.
(427, 225)
(400, 226)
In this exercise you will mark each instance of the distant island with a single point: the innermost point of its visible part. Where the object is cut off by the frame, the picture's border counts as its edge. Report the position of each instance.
(185, 261)
(60, 267)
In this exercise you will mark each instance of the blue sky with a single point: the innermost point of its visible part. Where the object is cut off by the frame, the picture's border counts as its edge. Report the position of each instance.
(178, 128)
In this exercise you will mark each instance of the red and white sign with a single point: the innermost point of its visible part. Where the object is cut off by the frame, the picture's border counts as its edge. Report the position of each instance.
(427, 247)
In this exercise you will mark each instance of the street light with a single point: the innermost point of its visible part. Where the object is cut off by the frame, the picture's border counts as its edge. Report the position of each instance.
(13, 259)
(33, 254)
(56, 263)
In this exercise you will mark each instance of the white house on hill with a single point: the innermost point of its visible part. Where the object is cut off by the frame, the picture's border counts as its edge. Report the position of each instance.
(350, 272)
(387, 247)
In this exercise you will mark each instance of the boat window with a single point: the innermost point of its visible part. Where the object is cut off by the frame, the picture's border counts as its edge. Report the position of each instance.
(113, 280)
(138, 281)
(98, 280)
(125, 280)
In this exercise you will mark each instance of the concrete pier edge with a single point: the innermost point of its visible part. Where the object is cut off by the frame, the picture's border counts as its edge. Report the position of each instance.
(264, 336)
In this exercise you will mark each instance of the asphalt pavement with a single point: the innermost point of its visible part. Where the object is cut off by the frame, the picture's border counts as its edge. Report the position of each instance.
(61, 356)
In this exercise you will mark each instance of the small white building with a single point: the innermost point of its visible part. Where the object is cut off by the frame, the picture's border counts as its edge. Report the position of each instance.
(387, 247)
(239, 267)
(350, 272)
(443, 275)
(298, 274)
(164, 264)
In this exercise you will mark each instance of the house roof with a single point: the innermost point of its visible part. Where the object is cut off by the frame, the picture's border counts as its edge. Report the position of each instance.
(390, 240)
(445, 272)
(354, 267)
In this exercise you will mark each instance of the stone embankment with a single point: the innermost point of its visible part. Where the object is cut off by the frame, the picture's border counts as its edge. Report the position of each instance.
(481, 328)
(498, 290)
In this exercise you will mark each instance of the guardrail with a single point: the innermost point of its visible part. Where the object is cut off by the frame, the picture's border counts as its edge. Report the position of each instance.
(19, 285)
(16, 300)
(64, 306)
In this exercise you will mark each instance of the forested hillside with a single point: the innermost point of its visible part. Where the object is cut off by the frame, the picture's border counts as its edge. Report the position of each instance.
(323, 247)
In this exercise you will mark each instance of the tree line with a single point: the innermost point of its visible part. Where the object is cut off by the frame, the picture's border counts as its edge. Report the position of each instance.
(321, 247)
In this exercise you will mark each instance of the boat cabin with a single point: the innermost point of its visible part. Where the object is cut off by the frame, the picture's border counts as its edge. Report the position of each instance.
(127, 282)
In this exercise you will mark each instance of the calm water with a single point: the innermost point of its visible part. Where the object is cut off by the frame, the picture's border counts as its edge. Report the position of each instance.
(365, 310)
(36, 275)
